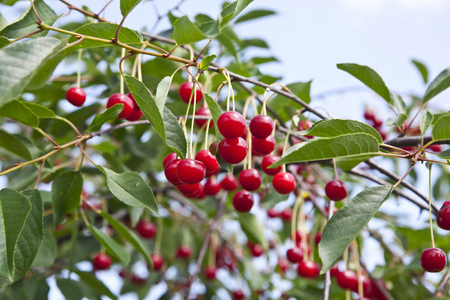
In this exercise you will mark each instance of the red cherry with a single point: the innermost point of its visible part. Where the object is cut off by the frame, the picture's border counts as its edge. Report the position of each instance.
(135, 116)
(435, 148)
(138, 280)
(199, 193)
(336, 190)
(308, 269)
(170, 171)
(184, 251)
(272, 213)
(209, 160)
(243, 201)
(334, 271)
(186, 91)
(445, 203)
(101, 261)
(369, 115)
(267, 161)
(188, 189)
(303, 125)
(169, 158)
(128, 105)
(256, 249)
(286, 214)
(146, 229)
(233, 151)
(231, 124)
(76, 96)
(203, 111)
(250, 179)
(229, 182)
(294, 255)
(283, 264)
(283, 182)
(210, 272)
(238, 295)
(317, 238)
(347, 280)
(264, 146)
(433, 260)
(261, 126)
(158, 261)
(377, 123)
(299, 236)
(443, 217)
(212, 187)
(191, 171)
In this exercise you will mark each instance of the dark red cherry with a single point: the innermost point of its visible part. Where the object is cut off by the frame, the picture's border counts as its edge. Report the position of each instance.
(158, 261)
(76, 96)
(184, 251)
(286, 214)
(300, 235)
(212, 187)
(256, 249)
(137, 113)
(272, 213)
(435, 148)
(317, 238)
(186, 91)
(264, 146)
(238, 295)
(294, 255)
(261, 126)
(336, 190)
(243, 201)
(188, 190)
(267, 161)
(369, 115)
(308, 269)
(137, 280)
(347, 280)
(229, 182)
(250, 179)
(146, 229)
(209, 160)
(191, 171)
(283, 182)
(233, 151)
(170, 170)
(283, 264)
(213, 148)
(169, 158)
(231, 124)
(377, 123)
(334, 271)
(128, 104)
(203, 111)
(210, 272)
(443, 217)
(199, 193)
(101, 261)
(433, 260)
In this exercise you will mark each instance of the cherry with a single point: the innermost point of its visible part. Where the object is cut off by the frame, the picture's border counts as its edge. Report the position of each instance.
(191, 171)
(334, 271)
(433, 260)
(377, 123)
(213, 148)
(347, 280)
(272, 213)
(243, 201)
(238, 295)
(317, 238)
(299, 236)
(212, 187)
(267, 161)
(209, 160)
(303, 125)
(170, 171)
(229, 182)
(184, 251)
(283, 182)
(210, 272)
(101, 261)
(443, 217)
(250, 179)
(158, 261)
(256, 249)
(76, 96)
(231, 124)
(286, 214)
(369, 115)
(146, 229)
(283, 264)
(294, 255)
(137, 112)
(169, 158)
(186, 91)
(435, 148)
(308, 269)
(336, 190)
(188, 190)
(128, 104)
(233, 151)
(261, 126)
(138, 280)
(203, 111)
(264, 146)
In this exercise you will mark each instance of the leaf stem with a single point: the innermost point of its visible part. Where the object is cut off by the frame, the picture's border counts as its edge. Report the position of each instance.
(79, 68)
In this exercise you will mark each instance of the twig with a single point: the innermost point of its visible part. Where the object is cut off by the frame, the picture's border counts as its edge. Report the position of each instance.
(439, 293)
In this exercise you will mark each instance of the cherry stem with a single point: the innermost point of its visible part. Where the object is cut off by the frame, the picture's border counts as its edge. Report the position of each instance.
(358, 269)
(159, 231)
(286, 142)
(122, 83)
(39, 174)
(79, 68)
(207, 131)
(335, 169)
(297, 203)
(404, 176)
(201, 52)
(430, 165)
(46, 136)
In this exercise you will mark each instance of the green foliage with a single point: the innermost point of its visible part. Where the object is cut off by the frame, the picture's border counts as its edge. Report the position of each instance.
(126, 6)
(441, 130)
(422, 69)
(66, 194)
(253, 229)
(438, 85)
(110, 245)
(106, 117)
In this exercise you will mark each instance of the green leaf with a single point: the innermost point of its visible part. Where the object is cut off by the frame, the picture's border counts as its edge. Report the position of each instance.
(425, 121)
(204, 64)
(348, 163)
(285, 107)
(128, 235)
(91, 280)
(20, 61)
(126, 6)
(108, 116)
(263, 60)
(31, 237)
(369, 77)
(186, 32)
(26, 23)
(39, 110)
(3, 22)
(110, 245)
(253, 229)
(438, 85)
(272, 198)
(347, 145)
(161, 93)
(18, 111)
(347, 223)
(14, 145)
(445, 154)
(4, 42)
(336, 127)
(131, 189)
(255, 14)
(66, 194)
(401, 118)
(47, 252)
(166, 124)
(422, 69)
(398, 103)
(71, 289)
(231, 11)
(441, 130)
(14, 212)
